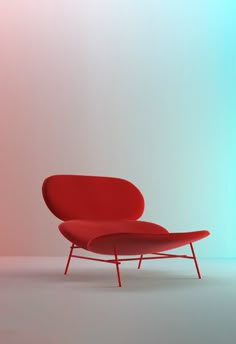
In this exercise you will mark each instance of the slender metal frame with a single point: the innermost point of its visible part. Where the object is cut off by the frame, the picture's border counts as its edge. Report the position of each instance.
(140, 259)
(195, 261)
(69, 258)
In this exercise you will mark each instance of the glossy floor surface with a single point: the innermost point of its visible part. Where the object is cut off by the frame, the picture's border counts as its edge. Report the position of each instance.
(164, 302)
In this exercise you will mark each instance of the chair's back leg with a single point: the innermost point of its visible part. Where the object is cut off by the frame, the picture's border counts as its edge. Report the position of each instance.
(69, 258)
(195, 261)
(140, 261)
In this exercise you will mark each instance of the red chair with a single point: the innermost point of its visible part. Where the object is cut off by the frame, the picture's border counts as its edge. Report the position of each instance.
(101, 215)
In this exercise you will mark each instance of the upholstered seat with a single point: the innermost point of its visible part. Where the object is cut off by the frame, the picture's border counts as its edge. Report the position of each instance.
(139, 237)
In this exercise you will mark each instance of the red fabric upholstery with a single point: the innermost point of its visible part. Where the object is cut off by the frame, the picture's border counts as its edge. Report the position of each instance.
(129, 237)
(142, 243)
(72, 197)
(100, 215)
(82, 232)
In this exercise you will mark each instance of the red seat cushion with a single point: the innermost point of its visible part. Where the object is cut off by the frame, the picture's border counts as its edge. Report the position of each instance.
(130, 237)
(142, 243)
(80, 232)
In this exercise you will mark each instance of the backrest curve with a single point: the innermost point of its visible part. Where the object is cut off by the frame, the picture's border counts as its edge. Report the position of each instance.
(71, 197)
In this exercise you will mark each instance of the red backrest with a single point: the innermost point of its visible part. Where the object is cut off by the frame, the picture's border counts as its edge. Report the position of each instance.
(71, 197)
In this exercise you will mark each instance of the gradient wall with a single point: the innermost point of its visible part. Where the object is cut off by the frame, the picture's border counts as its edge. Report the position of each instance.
(143, 90)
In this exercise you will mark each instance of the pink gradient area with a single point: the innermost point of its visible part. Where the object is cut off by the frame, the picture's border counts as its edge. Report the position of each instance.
(29, 336)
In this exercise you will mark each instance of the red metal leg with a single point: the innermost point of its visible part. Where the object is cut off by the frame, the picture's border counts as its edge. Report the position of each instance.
(117, 267)
(195, 261)
(140, 261)
(69, 258)
(116, 261)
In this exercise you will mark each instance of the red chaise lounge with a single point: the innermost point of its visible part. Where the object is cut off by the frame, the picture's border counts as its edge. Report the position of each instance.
(101, 215)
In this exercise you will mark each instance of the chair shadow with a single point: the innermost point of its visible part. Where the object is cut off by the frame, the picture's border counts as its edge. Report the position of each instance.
(100, 279)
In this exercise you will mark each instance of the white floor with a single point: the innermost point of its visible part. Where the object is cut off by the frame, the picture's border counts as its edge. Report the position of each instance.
(162, 303)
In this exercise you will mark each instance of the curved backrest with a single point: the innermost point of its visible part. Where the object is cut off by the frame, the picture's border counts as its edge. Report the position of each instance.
(71, 197)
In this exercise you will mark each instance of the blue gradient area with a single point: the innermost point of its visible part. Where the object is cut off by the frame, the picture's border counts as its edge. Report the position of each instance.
(171, 68)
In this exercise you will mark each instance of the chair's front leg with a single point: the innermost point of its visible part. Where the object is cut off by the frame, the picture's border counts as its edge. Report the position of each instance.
(195, 261)
(117, 267)
(69, 258)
